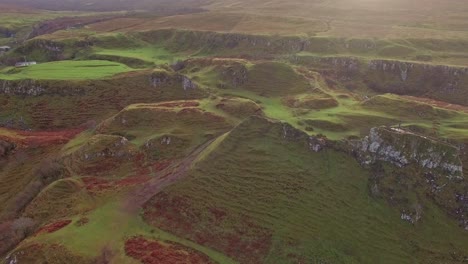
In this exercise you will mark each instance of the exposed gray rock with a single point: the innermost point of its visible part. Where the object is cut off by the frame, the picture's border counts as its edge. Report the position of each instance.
(236, 74)
(116, 148)
(317, 144)
(34, 88)
(166, 140)
(401, 148)
(28, 87)
(161, 79)
(188, 84)
(314, 143)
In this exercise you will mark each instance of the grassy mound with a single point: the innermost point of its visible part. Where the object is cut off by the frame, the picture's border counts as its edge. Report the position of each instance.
(144, 121)
(101, 154)
(239, 107)
(396, 51)
(275, 79)
(168, 130)
(66, 70)
(259, 197)
(63, 198)
(311, 101)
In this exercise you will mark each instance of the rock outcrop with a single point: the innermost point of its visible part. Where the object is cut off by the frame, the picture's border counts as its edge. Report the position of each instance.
(34, 88)
(26, 88)
(314, 143)
(161, 78)
(401, 148)
(6, 148)
(424, 170)
(440, 82)
(235, 74)
(106, 146)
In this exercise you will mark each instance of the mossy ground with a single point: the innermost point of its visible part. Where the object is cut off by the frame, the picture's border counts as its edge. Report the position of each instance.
(250, 196)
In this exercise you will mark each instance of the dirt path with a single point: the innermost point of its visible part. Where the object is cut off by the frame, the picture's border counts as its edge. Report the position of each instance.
(138, 197)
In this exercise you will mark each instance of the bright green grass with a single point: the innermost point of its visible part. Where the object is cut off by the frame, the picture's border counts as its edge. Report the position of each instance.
(357, 120)
(109, 226)
(153, 54)
(66, 70)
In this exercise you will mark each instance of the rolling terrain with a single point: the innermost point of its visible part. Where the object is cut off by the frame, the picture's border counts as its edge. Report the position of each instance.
(331, 131)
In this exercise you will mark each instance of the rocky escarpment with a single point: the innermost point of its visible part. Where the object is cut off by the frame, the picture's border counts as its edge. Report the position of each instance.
(104, 146)
(27, 87)
(447, 83)
(33, 88)
(422, 171)
(258, 45)
(162, 78)
(48, 50)
(403, 69)
(32, 100)
(214, 42)
(101, 154)
(313, 143)
(50, 26)
(440, 82)
(402, 148)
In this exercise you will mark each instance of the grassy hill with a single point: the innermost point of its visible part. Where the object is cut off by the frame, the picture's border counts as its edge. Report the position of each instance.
(194, 131)
(261, 198)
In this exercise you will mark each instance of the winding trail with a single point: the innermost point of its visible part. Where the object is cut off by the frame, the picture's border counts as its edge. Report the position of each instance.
(131, 204)
(138, 197)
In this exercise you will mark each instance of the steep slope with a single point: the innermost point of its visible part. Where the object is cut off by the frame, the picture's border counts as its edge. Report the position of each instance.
(263, 196)
(50, 104)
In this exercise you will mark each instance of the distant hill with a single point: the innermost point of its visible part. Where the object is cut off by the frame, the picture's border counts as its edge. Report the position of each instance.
(106, 5)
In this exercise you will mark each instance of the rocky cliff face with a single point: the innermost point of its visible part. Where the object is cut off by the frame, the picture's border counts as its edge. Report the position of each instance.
(213, 41)
(161, 79)
(403, 69)
(262, 44)
(424, 170)
(33, 88)
(314, 143)
(439, 82)
(401, 148)
(27, 88)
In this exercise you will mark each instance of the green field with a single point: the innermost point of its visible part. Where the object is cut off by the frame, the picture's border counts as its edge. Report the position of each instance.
(154, 54)
(66, 70)
(243, 131)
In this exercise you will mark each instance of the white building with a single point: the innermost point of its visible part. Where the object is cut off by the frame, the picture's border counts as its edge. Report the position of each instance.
(25, 64)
